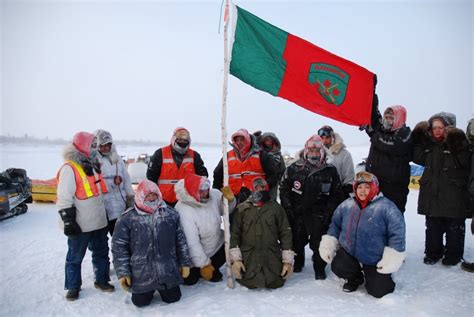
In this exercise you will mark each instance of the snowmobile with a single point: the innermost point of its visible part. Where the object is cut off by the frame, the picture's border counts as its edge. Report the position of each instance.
(15, 193)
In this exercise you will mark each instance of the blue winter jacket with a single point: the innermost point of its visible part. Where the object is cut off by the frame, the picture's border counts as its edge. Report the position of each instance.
(364, 233)
(150, 248)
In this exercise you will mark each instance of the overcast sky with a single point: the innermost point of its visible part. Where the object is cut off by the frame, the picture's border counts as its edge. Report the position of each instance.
(141, 68)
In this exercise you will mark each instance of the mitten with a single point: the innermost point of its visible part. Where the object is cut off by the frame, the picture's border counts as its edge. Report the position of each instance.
(207, 272)
(185, 270)
(125, 282)
(420, 134)
(243, 194)
(328, 247)
(391, 261)
(455, 139)
(68, 215)
(227, 193)
(237, 269)
(287, 270)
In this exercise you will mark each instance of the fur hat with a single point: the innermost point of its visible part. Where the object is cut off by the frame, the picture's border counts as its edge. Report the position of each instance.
(84, 142)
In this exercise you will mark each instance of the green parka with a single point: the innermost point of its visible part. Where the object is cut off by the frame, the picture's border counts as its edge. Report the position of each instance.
(261, 233)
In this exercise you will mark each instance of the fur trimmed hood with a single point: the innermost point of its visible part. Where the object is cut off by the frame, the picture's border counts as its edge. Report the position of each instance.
(70, 153)
(336, 146)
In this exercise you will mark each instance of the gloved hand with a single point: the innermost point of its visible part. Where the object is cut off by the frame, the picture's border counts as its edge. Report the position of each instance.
(227, 193)
(328, 247)
(130, 201)
(391, 261)
(185, 270)
(125, 282)
(237, 269)
(286, 271)
(68, 215)
(207, 272)
(243, 194)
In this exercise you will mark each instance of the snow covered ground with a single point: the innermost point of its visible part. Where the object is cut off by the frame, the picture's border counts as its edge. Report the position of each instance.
(32, 254)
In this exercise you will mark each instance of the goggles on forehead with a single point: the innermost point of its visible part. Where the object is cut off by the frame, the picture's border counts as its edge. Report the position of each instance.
(325, 131)
(365, 177)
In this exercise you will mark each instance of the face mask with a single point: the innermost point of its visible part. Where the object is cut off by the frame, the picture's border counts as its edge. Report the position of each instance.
(259, 197)
(314, 160)
(153, 204)
(387, 125)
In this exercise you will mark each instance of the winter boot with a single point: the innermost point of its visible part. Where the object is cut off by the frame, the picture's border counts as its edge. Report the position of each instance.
(299, 262)
(429, 260)
(72, 294)
(450, 260)
(468, 266)
(319, 272)
(104, 287)
(352, 285)
(216, 276)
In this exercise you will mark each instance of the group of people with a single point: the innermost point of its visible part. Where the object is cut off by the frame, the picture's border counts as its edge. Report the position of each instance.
(168, 232)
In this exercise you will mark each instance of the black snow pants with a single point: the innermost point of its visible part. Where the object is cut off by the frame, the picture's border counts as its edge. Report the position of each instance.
(436, 227)
(347, 267)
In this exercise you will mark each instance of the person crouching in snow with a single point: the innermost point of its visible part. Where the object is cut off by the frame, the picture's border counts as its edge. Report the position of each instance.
(200, 209)
(366, 229)
(149, 248)
(260, 241)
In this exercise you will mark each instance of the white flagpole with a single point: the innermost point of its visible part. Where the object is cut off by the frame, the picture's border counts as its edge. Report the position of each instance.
(230, 278)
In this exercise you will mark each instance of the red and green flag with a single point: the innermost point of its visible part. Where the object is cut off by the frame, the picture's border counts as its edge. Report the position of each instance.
(289, 67)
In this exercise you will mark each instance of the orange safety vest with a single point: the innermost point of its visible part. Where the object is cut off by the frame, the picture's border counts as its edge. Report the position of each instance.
(171, 174)
(86, 186)
(242, 174)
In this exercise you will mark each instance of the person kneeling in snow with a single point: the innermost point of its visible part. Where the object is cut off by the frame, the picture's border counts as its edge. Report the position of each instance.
(367, 229)
(260, 241)
(149, 248)
(200, 209)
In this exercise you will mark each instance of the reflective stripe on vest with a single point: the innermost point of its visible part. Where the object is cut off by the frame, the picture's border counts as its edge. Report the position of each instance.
(171, 174)
(86, 186)
(242, 174)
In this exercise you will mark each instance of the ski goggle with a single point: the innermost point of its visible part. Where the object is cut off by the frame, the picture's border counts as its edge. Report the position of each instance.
(325, 131)
(365, 177)
(205, 186)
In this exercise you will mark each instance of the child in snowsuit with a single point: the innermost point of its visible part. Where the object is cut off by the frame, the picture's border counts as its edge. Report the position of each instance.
(149, 248)
(368, 230)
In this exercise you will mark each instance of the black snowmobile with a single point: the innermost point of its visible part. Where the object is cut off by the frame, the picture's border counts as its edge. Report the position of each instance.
(15, 193)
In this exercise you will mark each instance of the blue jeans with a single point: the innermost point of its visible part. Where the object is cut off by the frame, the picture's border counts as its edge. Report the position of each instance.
(97, 242)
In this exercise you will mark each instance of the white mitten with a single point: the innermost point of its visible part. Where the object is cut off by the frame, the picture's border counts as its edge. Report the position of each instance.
(391, 261)
(328, 247)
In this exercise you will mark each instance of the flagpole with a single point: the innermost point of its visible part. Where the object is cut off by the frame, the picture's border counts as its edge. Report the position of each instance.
(230, 278)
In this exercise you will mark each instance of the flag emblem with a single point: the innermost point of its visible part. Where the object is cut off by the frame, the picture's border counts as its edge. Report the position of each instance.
(330, 82)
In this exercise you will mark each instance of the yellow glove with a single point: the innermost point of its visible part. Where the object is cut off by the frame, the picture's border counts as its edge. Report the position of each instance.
(287, 270)
(207, 272)
(185, 270)
(125, 282)
(237, 269)
(227, 193)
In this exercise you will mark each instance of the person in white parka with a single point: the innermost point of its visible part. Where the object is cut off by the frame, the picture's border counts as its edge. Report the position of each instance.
(200, 209)
(120, 193)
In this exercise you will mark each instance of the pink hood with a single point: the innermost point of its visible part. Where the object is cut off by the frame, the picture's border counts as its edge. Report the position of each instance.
(399, 115)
